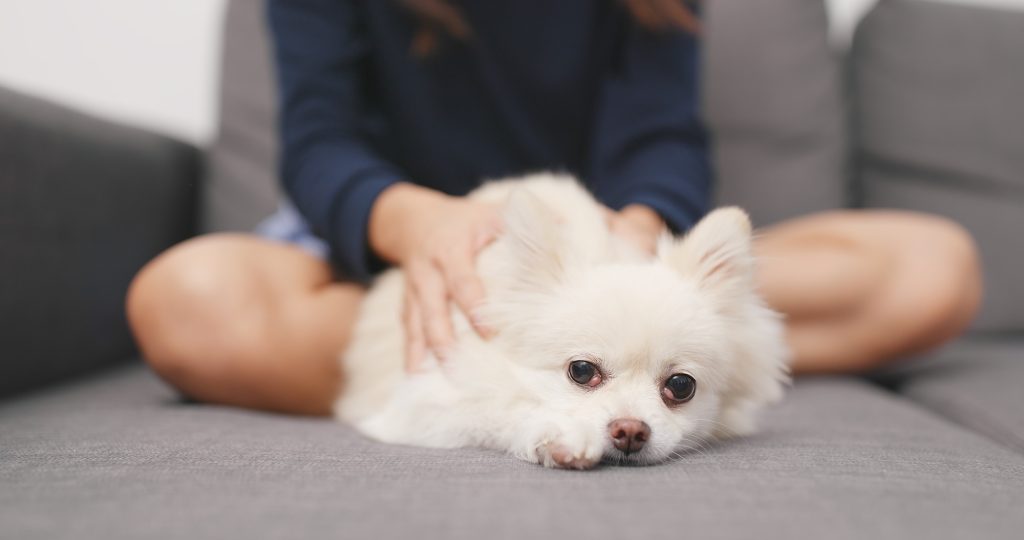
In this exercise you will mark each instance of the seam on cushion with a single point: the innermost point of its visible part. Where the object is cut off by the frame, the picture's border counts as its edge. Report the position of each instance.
(963, 181)
(769, 138)
(991, 431)
(969, 416)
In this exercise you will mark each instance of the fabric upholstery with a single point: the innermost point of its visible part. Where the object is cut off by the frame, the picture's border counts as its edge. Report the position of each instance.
(773, 101)
(83, 205)
(119, 457)
(975, 382)
(241, 185)
(938, 99)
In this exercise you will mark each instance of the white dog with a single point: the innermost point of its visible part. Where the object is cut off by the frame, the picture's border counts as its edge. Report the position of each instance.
(601, 352)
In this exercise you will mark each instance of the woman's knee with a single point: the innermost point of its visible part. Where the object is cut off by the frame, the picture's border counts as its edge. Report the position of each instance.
(917, 283)
(196, 309)
(951, 272)
(932, 290)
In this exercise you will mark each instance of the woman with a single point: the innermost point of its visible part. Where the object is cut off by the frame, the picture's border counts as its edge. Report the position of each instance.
(393, 110)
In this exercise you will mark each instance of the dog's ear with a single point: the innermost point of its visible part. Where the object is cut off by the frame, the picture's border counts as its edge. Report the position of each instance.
(535, 241)
(717, 253)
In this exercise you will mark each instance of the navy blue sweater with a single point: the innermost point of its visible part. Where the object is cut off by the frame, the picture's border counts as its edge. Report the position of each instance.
(568, 85)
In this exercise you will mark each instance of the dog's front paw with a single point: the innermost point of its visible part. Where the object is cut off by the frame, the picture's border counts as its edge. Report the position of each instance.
(560, 446)
(559, 455)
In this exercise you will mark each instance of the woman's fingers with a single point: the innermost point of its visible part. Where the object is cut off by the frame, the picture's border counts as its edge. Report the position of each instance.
(465, 286)
(488, 231)
(463, 281)
(415, 341)
(443, 270)
(638, 225)
(432, 298)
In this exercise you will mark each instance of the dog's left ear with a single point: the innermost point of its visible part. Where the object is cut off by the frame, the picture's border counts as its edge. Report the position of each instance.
(717, 253)
(536, 242)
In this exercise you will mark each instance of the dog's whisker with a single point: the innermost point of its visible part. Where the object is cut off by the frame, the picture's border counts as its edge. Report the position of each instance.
(698, 444)
(715, 423)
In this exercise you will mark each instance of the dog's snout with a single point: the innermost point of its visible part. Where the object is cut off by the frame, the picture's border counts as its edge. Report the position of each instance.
(629, 434)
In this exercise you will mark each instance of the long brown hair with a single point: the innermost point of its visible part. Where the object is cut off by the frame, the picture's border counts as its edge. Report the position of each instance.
(440, 17)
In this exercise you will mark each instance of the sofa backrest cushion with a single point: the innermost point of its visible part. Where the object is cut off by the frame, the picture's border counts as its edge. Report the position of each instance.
(939, 94)
(774, 103)
(241, 186)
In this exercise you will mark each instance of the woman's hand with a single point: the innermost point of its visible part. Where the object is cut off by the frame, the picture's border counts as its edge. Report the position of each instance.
(637, 224)
(435, 238)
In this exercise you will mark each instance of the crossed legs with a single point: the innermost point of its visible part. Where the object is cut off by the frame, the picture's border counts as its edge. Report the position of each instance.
(238, 320)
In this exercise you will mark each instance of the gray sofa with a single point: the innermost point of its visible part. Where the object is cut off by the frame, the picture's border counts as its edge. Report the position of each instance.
(925, 112)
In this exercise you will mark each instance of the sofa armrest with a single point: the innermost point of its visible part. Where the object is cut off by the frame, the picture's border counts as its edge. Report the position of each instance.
(83, 205)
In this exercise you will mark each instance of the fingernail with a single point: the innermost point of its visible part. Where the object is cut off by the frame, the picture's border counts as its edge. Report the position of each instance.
(442, 353)
(483, 239)
(481, 327)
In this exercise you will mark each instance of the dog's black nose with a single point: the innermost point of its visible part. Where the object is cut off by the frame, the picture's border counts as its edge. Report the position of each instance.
(629, 434)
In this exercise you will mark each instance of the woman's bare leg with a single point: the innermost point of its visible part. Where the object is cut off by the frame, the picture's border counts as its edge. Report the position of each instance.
(238, 320)
(859, 288)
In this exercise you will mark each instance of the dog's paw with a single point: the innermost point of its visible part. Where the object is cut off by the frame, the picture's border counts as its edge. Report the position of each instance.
(561, 447)
(558, 455)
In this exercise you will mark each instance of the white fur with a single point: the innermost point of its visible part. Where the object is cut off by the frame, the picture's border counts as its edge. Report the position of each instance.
(560, 286)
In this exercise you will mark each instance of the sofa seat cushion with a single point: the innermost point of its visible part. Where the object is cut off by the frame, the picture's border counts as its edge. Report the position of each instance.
(975, 382)
(121, 457)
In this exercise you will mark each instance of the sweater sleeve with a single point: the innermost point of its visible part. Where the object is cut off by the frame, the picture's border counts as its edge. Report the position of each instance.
(329, 171)
(649, 145)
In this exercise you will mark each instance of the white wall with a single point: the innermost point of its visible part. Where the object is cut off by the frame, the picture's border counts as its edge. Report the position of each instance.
(844, 16)
(154, 62)
(846, 13)
(146, 62)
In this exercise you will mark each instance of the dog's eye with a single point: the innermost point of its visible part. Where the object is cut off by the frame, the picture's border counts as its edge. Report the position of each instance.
(679, 388)
(585, 373)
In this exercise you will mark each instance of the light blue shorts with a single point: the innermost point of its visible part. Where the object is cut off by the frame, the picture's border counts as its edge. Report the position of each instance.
(287, 225)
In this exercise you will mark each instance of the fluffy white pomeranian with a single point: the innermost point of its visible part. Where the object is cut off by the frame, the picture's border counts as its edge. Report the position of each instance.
(601, 352)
